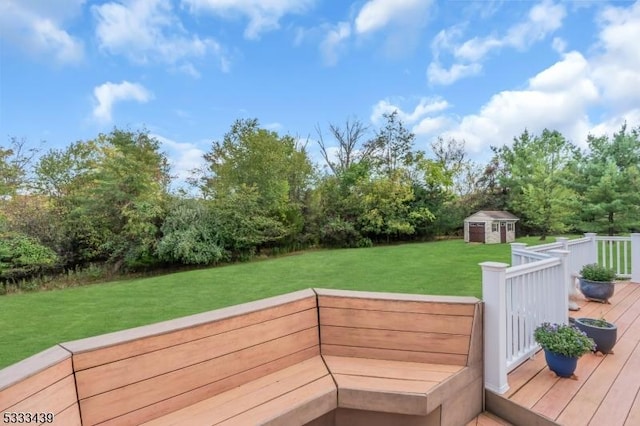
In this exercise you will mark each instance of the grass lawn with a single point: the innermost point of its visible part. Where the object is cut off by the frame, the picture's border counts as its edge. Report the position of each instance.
(32, 322)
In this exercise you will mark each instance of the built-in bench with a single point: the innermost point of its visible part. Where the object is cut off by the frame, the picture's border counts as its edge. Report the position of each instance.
(134, 376)
(322, 357)
(410, 355)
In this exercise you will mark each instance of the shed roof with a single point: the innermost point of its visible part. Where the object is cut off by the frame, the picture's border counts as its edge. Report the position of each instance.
(484, 215)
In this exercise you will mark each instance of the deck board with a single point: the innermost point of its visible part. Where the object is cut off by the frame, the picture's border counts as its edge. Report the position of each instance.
(607, 388)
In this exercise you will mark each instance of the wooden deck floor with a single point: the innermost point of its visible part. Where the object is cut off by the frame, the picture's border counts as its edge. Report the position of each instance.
(606, 389)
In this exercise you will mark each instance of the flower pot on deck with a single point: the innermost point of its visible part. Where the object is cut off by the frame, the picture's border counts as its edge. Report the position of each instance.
(599, 291)
(602, 332)
(563, 366)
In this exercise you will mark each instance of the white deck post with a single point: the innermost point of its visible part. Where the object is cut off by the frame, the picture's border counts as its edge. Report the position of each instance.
(635, 258)
(495, 326)
(593, 252)
(515, 260)
(561, 299)
(564, 241)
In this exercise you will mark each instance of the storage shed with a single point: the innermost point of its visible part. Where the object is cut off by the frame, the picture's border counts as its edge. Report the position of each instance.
(490, 226)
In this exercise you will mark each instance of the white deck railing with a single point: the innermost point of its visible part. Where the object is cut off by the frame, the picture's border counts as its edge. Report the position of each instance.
(537, 288)
(615, 253)
(527, 287)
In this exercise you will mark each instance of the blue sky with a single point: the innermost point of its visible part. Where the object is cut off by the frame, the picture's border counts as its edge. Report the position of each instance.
(481, 71)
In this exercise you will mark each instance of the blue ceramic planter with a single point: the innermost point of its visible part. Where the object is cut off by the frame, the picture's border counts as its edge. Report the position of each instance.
(597, 290)
(563, 366)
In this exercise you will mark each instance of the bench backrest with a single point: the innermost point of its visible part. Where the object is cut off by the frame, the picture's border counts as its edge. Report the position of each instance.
(402, 327)
(42, 385)
(136, 375)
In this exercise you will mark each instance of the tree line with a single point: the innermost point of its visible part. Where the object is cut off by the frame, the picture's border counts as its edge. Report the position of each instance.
(107, 201)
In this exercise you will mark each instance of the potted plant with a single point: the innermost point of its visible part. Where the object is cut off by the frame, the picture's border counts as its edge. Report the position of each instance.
(603, 333)
(563, 345)
(596, 282)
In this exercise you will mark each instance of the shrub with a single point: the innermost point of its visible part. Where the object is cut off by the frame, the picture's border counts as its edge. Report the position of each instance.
(595, 272)
(340, 233)
(563, 339)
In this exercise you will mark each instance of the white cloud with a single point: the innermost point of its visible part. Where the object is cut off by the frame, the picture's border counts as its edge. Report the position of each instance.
(401, 18)
(562, 74)
(613, 124)
(477, 48)
(183, 157)
(149, 31)
(264, 15)
(400, 22)
(562, 96)
(559, 44)
(425, 107)
(436, 74)
(425, 119)
(38, 28)
(108, 94)
(377, 14)
(430, 126)
(543, 19)
(617, 66)
(188, 69)
(556, 98)
(331, 45)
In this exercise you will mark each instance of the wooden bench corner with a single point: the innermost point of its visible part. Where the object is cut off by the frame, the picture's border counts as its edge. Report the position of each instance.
(408, 355)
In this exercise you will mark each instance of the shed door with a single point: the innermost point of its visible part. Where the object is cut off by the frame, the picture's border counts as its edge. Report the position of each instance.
(476, 232)
(503, 232)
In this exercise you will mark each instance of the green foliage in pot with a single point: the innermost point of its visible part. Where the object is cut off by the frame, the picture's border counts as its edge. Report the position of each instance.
(595, 272)
(597, 322)
(563, 339)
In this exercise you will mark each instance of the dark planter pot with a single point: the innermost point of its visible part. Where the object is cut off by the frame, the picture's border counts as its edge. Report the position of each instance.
(563, 366)
(599, 291)
(605, 337)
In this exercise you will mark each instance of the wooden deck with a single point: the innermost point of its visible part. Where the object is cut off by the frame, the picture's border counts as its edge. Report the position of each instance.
(488, 419)
(606, 391)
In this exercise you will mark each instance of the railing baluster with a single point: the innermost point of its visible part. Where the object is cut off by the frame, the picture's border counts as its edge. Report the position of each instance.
(611, 254)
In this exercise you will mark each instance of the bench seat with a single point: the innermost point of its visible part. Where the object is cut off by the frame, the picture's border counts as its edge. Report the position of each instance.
(415, 358)
(312, 357)
(294, 395)
(388, 386)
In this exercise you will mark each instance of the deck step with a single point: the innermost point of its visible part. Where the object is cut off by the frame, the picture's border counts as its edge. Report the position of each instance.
(512, 412)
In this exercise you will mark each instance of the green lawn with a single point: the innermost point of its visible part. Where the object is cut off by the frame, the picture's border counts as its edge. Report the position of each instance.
(32, 322)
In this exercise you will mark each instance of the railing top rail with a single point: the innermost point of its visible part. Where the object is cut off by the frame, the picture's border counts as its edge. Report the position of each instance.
(579, 241)
(516, 271)
(532, 254)
(612, 238)
(545, 247)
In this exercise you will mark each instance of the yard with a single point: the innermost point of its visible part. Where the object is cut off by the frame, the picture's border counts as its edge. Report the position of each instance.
(32, 322)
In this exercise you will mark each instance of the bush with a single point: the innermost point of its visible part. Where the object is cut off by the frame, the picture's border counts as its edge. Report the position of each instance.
(595, 272)
(189, 235)
(23, 257)
(339, 233)
(563, 339)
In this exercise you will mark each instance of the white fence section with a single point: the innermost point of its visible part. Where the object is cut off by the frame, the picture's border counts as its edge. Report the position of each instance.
(536, 289)
(615, 253)
(582, 251)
